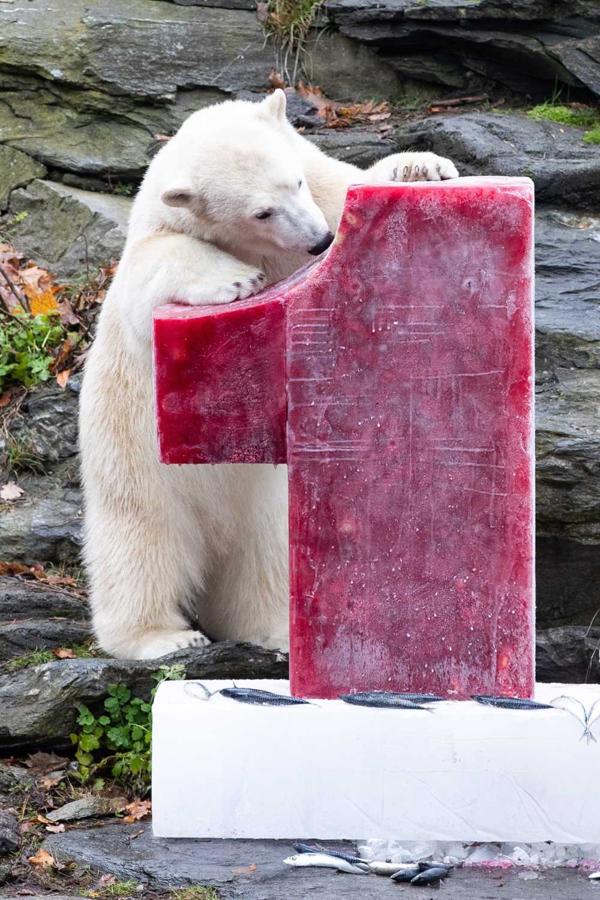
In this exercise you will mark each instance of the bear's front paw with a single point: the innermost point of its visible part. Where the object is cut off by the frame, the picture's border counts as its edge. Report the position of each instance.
(237, 286)
(159, 643)
(413, 167)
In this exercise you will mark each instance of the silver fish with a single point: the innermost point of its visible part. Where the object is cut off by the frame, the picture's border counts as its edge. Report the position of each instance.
(260, 697)
(317, 848)
(381, 699)
(406, 874)
(509, 702)
(380, 867)
(325, 861)
(431, 875)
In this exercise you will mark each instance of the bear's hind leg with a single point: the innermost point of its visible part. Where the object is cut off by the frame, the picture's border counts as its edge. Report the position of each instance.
(142, 574)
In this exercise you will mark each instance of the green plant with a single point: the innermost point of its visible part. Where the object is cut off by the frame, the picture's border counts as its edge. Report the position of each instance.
(39, 656)
(124, 189)
(289, 23)
(593, 136)
(21, 456)
(118, 738)
(576, 116)
(34, 658)
(118, 889)
(25, 345)
(196, 892)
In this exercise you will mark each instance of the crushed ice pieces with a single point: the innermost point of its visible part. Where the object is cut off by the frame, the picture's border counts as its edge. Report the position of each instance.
(541, 855)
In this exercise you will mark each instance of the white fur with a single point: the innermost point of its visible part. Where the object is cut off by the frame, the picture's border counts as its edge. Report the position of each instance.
(166, 545)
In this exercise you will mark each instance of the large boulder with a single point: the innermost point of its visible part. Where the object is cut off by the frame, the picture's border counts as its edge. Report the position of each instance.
(565, 169)
(529, 46)
(66, 229)
(35, 616)
(87, 87)
(16, 169)
(45, 525)
(39, 703)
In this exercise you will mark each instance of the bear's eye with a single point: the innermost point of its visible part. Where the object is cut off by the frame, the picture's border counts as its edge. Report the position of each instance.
(265, 214)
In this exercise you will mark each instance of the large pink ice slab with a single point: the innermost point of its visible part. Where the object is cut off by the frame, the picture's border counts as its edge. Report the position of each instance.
(405, 357)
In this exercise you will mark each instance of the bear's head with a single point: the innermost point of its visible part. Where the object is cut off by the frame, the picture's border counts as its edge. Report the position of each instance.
(233, 175)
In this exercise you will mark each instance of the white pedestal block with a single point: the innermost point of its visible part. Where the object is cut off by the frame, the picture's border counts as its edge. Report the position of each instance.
(463, 771)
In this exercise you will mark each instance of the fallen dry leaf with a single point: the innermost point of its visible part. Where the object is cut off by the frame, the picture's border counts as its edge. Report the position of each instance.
(62, 378)
(276, 79)
(55, 829)
(245, 870)
(137, 810)
(43, 859)
(40, 290)
(64, 653)
(11, 491)
(42, 763)
(51, 780)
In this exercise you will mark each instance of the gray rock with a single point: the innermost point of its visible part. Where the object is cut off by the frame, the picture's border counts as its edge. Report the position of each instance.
(162, 864)
(357, 146)
(90, 807)
(566, 171)
(332, 61)
(568, 455)
(67, 229)
(18, 638)
(14, 781)
(16, 169)
(10, 837)
(567, 315)
(568, 576)
(47, 422)
(568, 655)
(529, 47)
(89, 132)
(139, 48)
(86, 87)
(39, 703)
(45, 526)
(32, 599)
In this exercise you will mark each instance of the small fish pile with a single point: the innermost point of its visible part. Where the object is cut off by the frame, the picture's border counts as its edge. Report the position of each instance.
(419, 874)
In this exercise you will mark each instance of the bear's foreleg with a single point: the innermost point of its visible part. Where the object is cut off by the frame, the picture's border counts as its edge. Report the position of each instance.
(411, 167)
(176, 267)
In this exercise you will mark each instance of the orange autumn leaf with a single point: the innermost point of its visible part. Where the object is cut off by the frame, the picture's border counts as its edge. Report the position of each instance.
(43, 859)
(63, 653)
(40, 290)
(136, 810)
(62, 378)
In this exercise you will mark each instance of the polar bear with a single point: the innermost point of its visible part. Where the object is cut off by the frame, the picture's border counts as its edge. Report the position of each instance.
(235, 201)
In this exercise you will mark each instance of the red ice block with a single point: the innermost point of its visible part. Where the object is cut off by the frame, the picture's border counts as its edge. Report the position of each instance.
(408, 352)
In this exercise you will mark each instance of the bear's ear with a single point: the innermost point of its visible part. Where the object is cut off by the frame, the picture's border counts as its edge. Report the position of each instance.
(274, 105)
(177, 196)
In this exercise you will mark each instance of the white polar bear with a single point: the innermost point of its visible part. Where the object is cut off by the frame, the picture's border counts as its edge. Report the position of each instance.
(235, 201)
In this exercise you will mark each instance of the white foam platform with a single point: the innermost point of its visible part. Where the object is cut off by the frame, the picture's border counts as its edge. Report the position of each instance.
(463, 772)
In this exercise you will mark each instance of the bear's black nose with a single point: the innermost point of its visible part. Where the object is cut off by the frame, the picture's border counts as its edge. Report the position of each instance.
(322, 245)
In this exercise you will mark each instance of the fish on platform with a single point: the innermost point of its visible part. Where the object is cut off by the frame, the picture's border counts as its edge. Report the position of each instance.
(509, 702)
(326, 861)
(260, 697)
(317, 848)
(431, 875)
(406, 873)
(423, 698)
(382, 867)
(382, 700)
